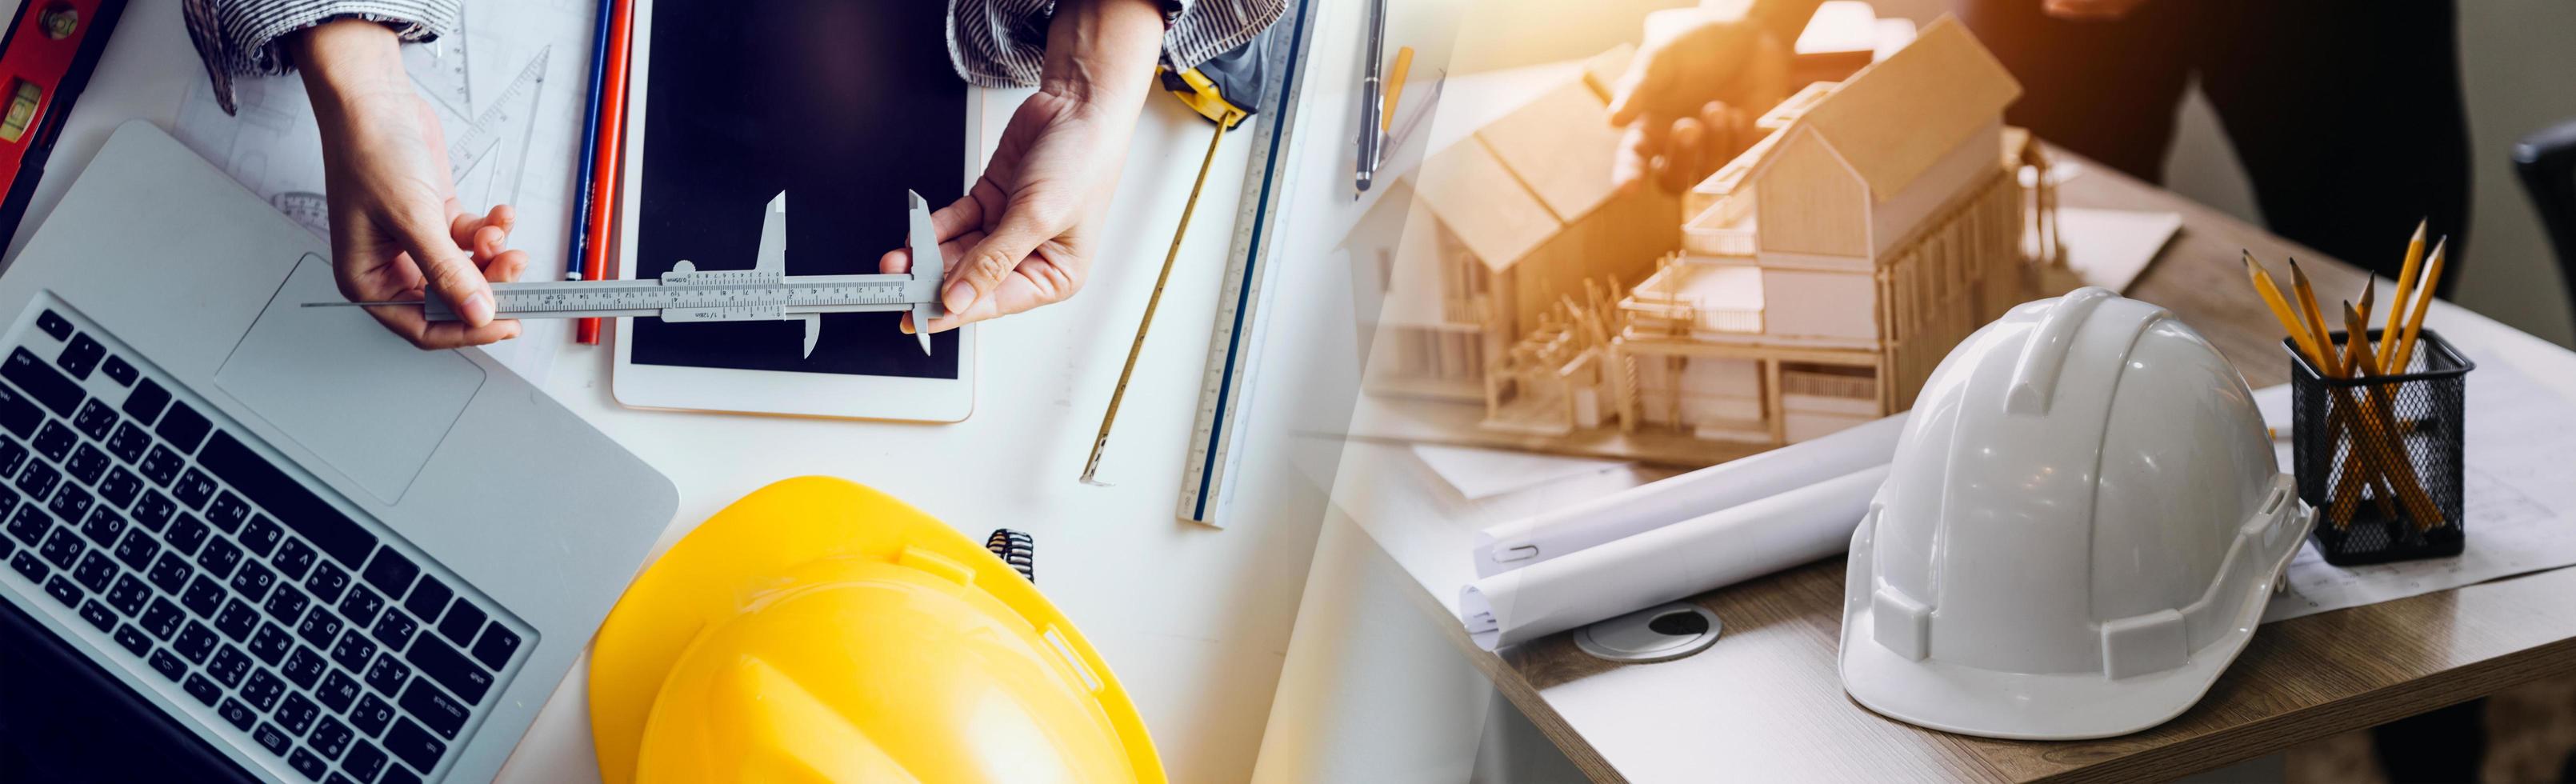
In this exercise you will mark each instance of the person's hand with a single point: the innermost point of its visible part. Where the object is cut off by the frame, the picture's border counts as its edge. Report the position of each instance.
(1026, 233)
(2090, 10)
(1690, 96)
(397, 231)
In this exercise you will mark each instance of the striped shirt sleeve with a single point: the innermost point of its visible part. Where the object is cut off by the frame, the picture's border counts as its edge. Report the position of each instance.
(1002, 43)
(240, 37)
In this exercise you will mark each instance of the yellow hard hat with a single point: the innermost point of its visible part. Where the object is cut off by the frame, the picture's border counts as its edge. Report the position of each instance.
(817, 630)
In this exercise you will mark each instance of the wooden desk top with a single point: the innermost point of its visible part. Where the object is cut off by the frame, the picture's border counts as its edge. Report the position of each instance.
(1766, 703)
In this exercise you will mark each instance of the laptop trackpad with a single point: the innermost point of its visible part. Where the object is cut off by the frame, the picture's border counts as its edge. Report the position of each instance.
(337, 383)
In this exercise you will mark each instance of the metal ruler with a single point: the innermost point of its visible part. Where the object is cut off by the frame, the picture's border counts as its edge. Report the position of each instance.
(765, 292)
(1234, 347)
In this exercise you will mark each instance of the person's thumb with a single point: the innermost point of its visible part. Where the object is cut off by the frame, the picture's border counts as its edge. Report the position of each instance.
(449, 270)
(1022, 229)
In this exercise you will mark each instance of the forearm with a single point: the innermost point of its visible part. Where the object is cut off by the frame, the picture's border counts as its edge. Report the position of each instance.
(346, 59)
(1102, 52)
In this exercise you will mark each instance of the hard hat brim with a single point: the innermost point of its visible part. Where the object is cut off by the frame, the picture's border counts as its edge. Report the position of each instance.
(2023, 706)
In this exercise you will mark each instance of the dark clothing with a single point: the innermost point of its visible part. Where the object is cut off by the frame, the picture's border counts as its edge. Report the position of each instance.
(2347, 116)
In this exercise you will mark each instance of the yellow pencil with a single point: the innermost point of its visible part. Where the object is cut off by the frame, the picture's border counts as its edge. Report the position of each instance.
(2299, 335)
(2397, 307)
(1394, 87)
(2316, 317)
(2393, 463)
(2423, 303)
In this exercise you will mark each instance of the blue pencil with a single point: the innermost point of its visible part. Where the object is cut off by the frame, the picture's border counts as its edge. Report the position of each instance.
(589, 143)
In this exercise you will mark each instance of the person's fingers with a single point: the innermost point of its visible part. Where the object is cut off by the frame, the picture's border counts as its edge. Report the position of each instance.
(505, 266)
(450, 271)
(1682, 151)
(1644, 79)
(1633, 161)
(455, 334)
(960, 216)
(974, 276)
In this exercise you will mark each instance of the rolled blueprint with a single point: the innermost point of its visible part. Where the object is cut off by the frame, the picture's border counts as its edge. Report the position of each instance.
(1522, 543)
(1668, 563)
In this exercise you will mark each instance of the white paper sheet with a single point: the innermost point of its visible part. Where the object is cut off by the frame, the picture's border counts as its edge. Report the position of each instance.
(1484, 473)
(509, 94)
(1529, 541)
(2519, 495)
(2111, 248)
(1669, 563)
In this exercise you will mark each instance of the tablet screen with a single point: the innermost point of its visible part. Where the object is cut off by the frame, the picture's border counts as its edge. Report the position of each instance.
(844, 106)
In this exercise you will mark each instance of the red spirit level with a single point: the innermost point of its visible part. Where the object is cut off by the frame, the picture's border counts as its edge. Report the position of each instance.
(45, 59)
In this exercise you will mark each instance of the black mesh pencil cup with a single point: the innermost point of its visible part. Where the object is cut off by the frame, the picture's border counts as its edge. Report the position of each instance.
(2379, 457)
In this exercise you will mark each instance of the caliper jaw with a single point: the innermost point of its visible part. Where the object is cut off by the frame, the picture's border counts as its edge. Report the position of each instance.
(928, 268)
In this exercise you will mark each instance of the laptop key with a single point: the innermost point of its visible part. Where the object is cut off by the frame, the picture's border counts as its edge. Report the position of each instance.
(137, 549)
(97, 615)
(54, 324)
(203, 597)
(129, 595)
(237, 619)
(236, 714)
(442, 663)
(229, 667)
(296, 713)
(61, 547)
(395, 774)
(326, 583)
(262, 690)
(286, 605)
(120, 371)
(162, 619)
(194, 490)
(289, 501)
(19, 414)
(496, 646)
(354, 651)
(303, 667)
(96, 419)
(153, 510)
(103, 525)
(183, 427)
(414, 745)
(162, 465)
(361, 606)
(186, 534)
(319, 628)
(387, 675)
(305, 763)
(391, 572)
(372, 715)
(169, 666)
(63, 591)
(271, 643)
(54, 441)
(395, 629)
(330, 737)
(12, 453)
(133, 640)
(204, 690)
(292, 559)
(428, 598)
(261, 535)
(337, 691)
(144, 404)
(87, 464)
(119, 488)
(441, 713)
(228, 512)
(95, 571)
(271, 738)
(37, 479)
(195, 642)
(462, 621)
(253, 581)
(29, 525)
(128, 442)
(27, 564)
(81, 357)
(42, 382)
(219, 557)
(364, 761)
(170, 573)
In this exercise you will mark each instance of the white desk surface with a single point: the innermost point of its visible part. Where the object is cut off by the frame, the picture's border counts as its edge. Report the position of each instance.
(1195, 621)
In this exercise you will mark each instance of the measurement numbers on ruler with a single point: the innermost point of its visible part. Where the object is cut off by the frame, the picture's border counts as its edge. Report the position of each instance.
(701, 297)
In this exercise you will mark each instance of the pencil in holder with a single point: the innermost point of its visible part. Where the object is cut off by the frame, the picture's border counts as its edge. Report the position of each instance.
(2379, 457)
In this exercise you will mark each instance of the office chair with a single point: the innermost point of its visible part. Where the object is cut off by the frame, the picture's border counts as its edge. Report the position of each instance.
(2547, 162)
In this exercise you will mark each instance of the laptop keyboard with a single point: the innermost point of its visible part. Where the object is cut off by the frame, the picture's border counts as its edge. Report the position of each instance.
(315, 642)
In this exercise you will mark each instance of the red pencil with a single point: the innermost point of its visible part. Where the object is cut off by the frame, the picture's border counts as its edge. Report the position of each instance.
(611, 149)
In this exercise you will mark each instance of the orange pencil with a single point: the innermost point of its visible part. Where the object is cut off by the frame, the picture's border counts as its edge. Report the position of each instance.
(611, 149)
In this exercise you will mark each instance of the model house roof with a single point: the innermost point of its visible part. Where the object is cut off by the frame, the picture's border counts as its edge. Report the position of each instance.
(1897, 117)
(1520, 179)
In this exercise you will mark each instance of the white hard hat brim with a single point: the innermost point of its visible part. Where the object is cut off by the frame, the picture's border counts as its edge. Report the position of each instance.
(2022, 706)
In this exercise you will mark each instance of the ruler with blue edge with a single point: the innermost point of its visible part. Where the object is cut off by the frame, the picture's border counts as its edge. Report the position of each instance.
(1234, 347)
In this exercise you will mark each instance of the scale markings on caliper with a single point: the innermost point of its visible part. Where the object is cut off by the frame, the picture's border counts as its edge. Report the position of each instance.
(765, 292)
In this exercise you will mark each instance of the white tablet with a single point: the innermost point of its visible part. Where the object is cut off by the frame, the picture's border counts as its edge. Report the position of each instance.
(844, 107)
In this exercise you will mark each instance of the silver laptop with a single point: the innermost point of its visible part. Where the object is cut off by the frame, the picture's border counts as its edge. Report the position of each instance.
(317, 551)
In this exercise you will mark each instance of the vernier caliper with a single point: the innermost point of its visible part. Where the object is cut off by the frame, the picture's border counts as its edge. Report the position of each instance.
(765, 292)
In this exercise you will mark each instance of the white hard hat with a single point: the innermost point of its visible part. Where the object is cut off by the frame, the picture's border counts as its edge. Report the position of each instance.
(2080, 530)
